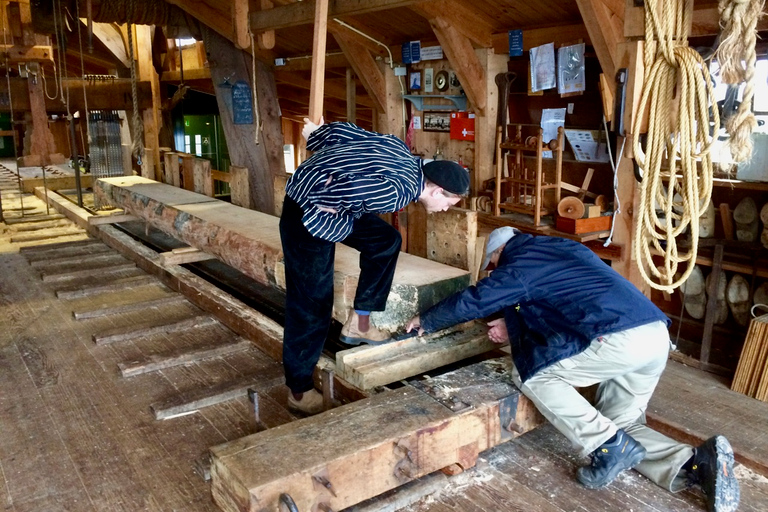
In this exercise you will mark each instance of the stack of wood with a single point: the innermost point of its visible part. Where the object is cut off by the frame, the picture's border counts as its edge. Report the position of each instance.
(751, 376)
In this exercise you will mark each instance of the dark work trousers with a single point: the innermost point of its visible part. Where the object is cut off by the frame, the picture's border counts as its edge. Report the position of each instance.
(309, 285)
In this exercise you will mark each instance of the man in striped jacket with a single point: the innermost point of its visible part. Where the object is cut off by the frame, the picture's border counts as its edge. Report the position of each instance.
(335, 196)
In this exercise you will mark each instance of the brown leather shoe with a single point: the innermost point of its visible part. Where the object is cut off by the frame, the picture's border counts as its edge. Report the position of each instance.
(311, 402)
(352, 335)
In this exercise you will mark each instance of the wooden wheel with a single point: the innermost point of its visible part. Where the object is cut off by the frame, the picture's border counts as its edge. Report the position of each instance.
(570, 207)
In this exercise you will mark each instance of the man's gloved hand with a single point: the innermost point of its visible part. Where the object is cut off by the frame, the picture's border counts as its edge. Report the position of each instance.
(497, 331)
(309, 127)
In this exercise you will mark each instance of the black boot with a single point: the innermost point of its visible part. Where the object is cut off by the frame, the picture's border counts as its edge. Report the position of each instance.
(712, 469)
(614, 456)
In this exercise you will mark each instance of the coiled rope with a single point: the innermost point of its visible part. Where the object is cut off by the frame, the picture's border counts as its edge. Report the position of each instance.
(675, 74)
(736, 56)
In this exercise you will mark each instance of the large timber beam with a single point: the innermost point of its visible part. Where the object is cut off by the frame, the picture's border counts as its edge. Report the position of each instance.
(111, 37)
(264, 159)
(333, 88)
(604, 20)
(335, 460)
(365, 67)
(464, 61)
(303, 13)
(462, 17)
(111, 95)
(249, 241)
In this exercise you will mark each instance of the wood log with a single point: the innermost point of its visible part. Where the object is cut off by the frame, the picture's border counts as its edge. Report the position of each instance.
(250, 242)
(335, 459)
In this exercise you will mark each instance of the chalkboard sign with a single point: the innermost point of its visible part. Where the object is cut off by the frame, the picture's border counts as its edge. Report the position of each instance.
(242, 104)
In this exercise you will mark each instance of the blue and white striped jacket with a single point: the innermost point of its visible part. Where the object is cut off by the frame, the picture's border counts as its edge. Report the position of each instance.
(352, 171)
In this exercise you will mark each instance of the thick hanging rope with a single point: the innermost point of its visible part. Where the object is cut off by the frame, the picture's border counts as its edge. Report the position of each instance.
(736, 56)
(137, 149)
(83, 78)
(676, 76)
(256, 113)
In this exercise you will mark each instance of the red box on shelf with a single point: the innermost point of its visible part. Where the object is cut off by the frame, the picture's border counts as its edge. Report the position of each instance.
(462, 128)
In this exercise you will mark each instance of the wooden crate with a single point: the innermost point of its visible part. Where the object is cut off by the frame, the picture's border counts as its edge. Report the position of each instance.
(751, 376)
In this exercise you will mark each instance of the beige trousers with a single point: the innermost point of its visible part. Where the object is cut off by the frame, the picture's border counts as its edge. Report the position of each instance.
(626, 366)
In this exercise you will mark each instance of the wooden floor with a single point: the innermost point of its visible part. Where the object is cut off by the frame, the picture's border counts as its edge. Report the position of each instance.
(75, 435)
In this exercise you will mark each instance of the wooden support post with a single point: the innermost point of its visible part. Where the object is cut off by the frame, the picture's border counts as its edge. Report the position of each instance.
(451, 237)
(201, 177)
(146, 71)
(239, 189)
(39, 144)
(351, 96)
(188, 172)
(318, 61)
(171, 174)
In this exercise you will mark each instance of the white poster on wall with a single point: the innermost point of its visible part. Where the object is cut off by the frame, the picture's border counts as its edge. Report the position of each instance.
(429, 75)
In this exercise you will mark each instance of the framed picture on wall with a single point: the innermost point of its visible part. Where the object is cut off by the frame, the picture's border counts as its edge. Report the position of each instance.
(437, 121)
(414, 81)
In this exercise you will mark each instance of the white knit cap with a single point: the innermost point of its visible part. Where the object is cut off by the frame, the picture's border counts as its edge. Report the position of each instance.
(497, 238)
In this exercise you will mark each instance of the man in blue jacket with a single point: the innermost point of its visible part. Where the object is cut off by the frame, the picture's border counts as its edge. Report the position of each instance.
(335, 196)
(572, 321)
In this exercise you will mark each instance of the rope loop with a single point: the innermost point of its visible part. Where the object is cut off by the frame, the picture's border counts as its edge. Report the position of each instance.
(676, 163)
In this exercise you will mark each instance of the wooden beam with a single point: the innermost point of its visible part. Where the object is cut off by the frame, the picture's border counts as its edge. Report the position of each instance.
(462, 17)
(351, 96)
(368, 367)
(241, 36)
(334, 27)
(420, 428)
(464, 61)
(265, 159)
(112, 38)
(98, 220)
(184, 255)
(266, 39)
(249, 241)
(532, 38)
(605, 24)
(39, 144)
(150, 167)
(215, 14)
(303, 13)
(182, 357)
(318, 61)
(365, 68)
(16, 54)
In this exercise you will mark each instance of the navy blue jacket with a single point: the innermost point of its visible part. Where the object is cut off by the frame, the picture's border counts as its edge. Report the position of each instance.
(556, 296)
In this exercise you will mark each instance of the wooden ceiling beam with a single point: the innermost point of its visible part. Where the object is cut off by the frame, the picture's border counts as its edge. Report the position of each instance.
(462, 17)
(335, 27)
(303, 13)
(604, 20)
(365, 68)
(111, 37)
(538, 36)
(460, 53)
(19, 53)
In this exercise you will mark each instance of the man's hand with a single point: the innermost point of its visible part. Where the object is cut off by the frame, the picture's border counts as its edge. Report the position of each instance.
(498, 331)
(414, 323)
(309, 127)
